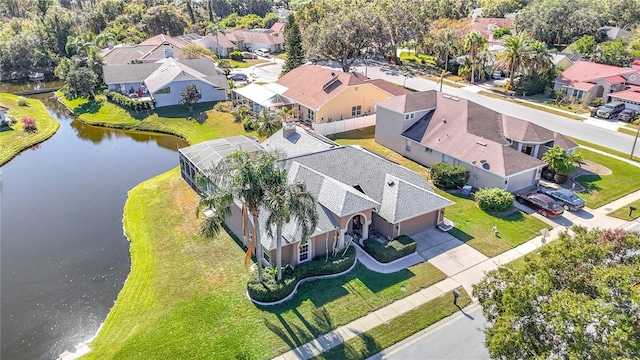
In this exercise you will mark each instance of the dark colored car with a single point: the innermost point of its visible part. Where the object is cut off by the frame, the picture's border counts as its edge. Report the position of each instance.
(237, 77)
(566, 198)
(542, 203)
(628, 115)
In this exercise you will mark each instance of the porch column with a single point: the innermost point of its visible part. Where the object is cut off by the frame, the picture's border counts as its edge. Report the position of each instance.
(535, 151)
(341, 239)
(365, 229)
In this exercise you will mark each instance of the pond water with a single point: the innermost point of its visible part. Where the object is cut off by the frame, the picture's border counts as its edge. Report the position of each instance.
(63, 255)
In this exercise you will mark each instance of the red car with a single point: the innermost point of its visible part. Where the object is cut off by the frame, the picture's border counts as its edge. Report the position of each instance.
(542, 203)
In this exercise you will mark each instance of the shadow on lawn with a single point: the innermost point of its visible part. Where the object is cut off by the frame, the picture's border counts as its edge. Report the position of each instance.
(91, 107)
(179, 111)
(589, 183)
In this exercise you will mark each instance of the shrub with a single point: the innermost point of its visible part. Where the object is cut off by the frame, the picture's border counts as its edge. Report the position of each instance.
(23, 102)
(29, 124)
(248, 124)
(449, 177)
(494, 199)
(223, 106)
(399, 247)
(126, 102)
(271, 290)
(598, 101)
(236, 55)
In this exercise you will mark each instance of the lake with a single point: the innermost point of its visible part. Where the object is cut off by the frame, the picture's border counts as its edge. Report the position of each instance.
(64, 256)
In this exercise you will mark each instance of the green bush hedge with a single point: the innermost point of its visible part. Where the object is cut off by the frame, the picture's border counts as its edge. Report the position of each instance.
(236, 55)
(127, 102)
(493, 199)
(449, 177)
(270, 290)
(399, 247)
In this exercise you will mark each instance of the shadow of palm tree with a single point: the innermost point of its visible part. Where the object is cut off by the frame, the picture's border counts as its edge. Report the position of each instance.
(589, 182)
(91, 107)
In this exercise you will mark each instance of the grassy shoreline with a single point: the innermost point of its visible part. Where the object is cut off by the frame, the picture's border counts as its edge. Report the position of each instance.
(13, 142)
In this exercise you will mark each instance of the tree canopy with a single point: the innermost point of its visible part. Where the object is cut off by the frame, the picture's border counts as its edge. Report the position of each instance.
(579, 298)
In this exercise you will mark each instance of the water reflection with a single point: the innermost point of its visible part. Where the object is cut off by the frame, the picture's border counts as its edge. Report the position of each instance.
(64, 258)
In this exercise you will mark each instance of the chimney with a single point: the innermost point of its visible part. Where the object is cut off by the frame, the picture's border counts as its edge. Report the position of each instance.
(288, 129)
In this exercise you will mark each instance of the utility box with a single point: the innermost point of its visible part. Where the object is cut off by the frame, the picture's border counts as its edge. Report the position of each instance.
(466, 191)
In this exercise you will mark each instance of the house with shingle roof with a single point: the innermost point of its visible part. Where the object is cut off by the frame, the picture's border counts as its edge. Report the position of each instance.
(357, 192)
(149, 51)
(320, 95)
(611, 83)
(164, 80)
(499, 150)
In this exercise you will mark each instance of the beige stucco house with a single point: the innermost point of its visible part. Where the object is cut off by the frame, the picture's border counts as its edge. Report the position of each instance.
(357, 192)
(500, 151)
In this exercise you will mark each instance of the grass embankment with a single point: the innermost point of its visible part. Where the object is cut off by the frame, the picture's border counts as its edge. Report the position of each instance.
(602, 189)
(472, 225)
(604, 149)
(13, 141)
(396, 330)
(185, 296)
(205, 123)
(530, 105)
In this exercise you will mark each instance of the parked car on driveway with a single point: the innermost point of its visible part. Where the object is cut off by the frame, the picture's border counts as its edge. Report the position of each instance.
(496, 74)
(628, 115)
(566, 198)
(541, 203)
(237, 77)
(610, 110)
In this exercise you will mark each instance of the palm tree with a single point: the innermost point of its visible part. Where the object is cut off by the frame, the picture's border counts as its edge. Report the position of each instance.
(561, 162)
(539, 57)
(515, 55)
(474, 43)
(286, 202)
(284, 114)
(103, 39)
(445, 43)
(265, 123)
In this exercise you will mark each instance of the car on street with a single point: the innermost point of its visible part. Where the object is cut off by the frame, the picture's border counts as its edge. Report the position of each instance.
(237, 77)
(566, 198)
(628, 115)
(541, 203)
(610, 110)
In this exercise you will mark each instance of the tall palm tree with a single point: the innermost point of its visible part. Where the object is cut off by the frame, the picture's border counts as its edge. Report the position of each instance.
(446, 41)
(539, 57)
(515, 55)
(474, 43)
(284, 114)
(286, 202)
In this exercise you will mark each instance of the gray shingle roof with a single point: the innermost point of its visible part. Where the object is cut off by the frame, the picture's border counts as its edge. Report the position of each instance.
(119, 74)
(299, 143)
(416, 131)
(402, 200)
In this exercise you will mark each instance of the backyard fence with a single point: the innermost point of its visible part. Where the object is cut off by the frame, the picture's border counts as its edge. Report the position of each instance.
(345, 125)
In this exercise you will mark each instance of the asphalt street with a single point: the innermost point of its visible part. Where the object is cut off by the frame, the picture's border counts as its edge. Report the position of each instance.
(575, 128)
(457, 337)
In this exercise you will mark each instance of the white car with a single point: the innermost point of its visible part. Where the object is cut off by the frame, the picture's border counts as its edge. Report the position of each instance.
(262, 52)
(496, 74)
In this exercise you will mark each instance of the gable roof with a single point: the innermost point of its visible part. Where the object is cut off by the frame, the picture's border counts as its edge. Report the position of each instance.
(586, 71)
(254, 36)
(401, 200)
(123, 55)
(630, 94)
(356, 167)
(471, 132)
(278, 27)
(388, 87)
(173, 70)
(164, 39)
(119, 74)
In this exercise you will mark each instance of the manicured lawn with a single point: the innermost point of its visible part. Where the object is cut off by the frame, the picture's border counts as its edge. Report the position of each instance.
(530, 105)
(472, 225)
(629, 129)
(12, 142)
(623, 212)
(605, 149)
(546, 100)
(185, 296)
(246, 63)
(398, 329)
(205, 123)
(281, 56)
(412, 59)
(602, 189)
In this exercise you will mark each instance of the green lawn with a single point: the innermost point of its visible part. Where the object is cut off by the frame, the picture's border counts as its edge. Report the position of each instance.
(472, 225)
(185, 296)
(605, 149)
(602, 189)
(623, 212)
(206, 123)
(412, 59)
(398, 329)
(629, 129)
(530, 105)
(13, 141)
(546, 100)
(246, 63)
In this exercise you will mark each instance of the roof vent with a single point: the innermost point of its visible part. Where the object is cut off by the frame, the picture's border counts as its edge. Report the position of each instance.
(444, 120)
(391, 183)
(446, 96)
(481, 143)
(455, 99)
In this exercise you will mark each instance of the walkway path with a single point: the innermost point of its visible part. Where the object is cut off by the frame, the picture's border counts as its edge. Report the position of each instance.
(463, 265)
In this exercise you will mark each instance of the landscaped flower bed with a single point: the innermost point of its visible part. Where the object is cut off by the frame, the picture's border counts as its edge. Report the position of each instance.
(399, 247)
(271, 291)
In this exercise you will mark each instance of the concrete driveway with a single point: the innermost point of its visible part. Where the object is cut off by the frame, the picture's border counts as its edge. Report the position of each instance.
(445, 252)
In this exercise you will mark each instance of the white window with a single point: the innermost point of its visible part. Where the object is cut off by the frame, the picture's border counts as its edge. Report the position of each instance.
(310, 115)
(356, 110)
(303, 252)
(428, 150)
(406, 117)
(408, 145)
(413, 115)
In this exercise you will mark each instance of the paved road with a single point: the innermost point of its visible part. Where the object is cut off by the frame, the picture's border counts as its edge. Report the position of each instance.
(457, 337)
(578, 129)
